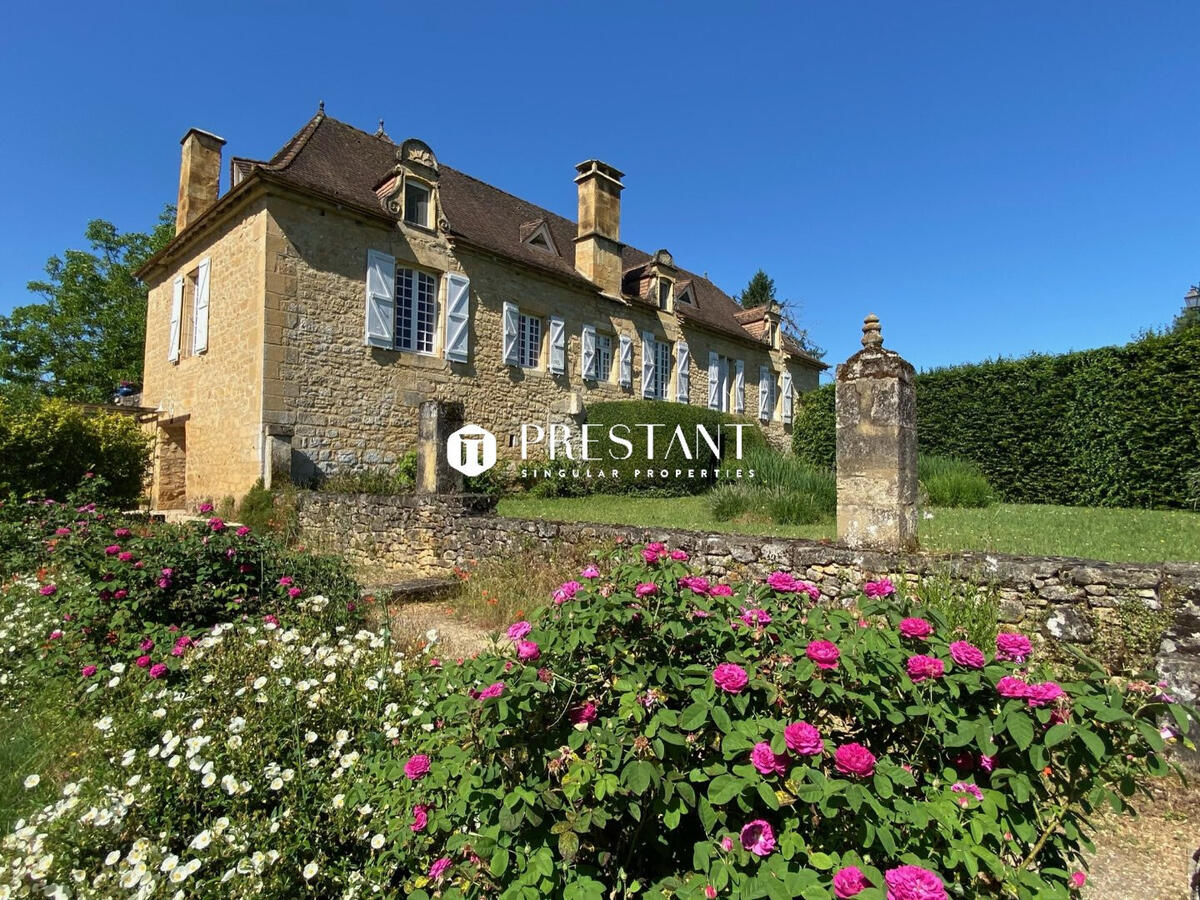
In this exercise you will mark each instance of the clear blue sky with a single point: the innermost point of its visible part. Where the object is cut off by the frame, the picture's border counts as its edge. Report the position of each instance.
(991, 178)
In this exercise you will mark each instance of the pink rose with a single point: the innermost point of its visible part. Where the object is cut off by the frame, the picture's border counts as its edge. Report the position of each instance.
(158, 670)
(754, 617)
(205, 507)
(726, 844)
(439, 867)
(146, 645)
(125, 556)
(142, 662)
(1078, 879)
(679, 555)
(967, 655)
(48, 590)
(915, 628)
(1013, 647)
(730, 678)
(913, 883)
(216, 524)
(849, 882)
(285, 580)
(784, 582)
(590, 572)
(518, 630)
(294, 592)
(527, 650)
(492, 691)
(987, 763)
(645, 589)
(583, 715)
(694, 583)
(420, 818)
(921, 667)
(1043, 693)
(881, 588)
(417, 767)
(721, 590)
(112, 550)
(87, 671)
(964, 787)
(765, 760)
(1012, 687)
(566, 591)
(56, 634)
(854, 759)
(710, 892)
(758, 838)
(824, 653)
(804, 739)
(62, 532)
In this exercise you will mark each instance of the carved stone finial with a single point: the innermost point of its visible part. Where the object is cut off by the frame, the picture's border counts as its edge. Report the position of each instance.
(320, 107)
(379, 132)
(872, 333)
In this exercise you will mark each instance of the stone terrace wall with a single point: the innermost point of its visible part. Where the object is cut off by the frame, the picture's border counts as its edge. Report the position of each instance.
(1069, 600)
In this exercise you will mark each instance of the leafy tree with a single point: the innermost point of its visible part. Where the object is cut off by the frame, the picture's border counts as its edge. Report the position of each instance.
(761, 291)
(86, 334)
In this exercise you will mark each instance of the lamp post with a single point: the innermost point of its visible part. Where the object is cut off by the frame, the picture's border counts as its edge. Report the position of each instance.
(1191, 300)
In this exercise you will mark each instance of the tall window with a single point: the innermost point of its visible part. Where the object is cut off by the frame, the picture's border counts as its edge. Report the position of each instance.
(604, 357)
(529, 341)
(664, 294)
(416, 310)
(662, 369)
(416, 203)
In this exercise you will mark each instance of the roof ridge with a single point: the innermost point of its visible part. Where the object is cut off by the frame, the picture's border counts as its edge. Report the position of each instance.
(296, 143)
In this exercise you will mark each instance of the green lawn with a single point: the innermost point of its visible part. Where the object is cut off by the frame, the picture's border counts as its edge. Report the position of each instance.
(1118, 535)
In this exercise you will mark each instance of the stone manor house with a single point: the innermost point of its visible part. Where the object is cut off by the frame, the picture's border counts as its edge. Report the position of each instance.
(295, 322)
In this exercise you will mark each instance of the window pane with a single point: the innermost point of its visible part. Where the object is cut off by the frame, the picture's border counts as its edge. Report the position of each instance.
(416, 203)
(603, 357)
(426, 312)
(529, 341)
(404, 309)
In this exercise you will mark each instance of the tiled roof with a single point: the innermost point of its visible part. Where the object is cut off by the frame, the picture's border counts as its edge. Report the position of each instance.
(341, 162)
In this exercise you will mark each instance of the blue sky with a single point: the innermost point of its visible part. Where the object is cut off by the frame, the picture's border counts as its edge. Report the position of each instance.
(989, 178)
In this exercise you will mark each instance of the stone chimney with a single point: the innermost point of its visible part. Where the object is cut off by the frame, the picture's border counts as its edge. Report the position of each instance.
(199, 176)
(598, 244)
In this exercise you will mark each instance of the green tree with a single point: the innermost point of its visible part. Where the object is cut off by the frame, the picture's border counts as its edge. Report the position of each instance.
(761, 291)
(86, 333)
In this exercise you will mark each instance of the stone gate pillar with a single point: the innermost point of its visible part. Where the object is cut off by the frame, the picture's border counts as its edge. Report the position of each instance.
(436, 422)
(876, 447)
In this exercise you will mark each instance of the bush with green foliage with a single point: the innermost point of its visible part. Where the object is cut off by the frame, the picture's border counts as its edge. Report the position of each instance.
(653, 732)
(785, 490)
(47, 446)
(953, 482)
(1114, 426)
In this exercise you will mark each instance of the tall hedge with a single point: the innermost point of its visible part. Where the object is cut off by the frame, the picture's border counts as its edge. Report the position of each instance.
(48, 446)
(1115, 426)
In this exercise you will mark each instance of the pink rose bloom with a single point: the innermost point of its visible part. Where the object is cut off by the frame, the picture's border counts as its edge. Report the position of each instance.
(913, 883)
(177, 650)
(1078, 879)
(1012, 687)
(694, 583)
(285, 580)
(527, 650)
(417, 767)
(566, 591)
(62, 532)
(125, 556)
(805, 587)
(730, 678)
(492, 691)
(987, 763)
(112, 550)
(55, 634)
(121, 533)
(881, 588)
(784, 582)
(650, 556)
(590, 572)
(206, 507)
(583, 715)
(721, 590)
(420, 818)
(158, 670)
(1012, 647)
(48, 590)
(518, 630)
(824, 653)
(216, 524)
(804, 739)
(726, 844)
(758, 838)
(120, 594)
(915, 628)
(645, 589)
(146, 645)
(87, 671)
(967, 655)
(765, 760)
(294, 592)
(700, 613)
(243, 530)
(164, 582)
(710, 892)
(854, 759)
(754, 617)
(963, 787)
(849, 882)
(679, 555)
(921, 667)
(658, 547)
(142, 662)
(439, 867)
(1043, 693)
(270, 619)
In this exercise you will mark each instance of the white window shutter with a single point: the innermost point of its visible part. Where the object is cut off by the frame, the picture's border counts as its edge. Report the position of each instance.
(786, 389)
(647, 364)
(739, 387)
(558, 346)
(683, 378)
(511, 326)
(381, 300)
(714, 379)
(764, 393)
(587, 352)
(626, 378)
(176, 316)
(200, 314)
(458, 317)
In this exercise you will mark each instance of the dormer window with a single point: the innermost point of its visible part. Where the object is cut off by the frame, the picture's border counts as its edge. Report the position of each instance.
(417, 197)
(685, 296)
(537, 235)
(664, 294)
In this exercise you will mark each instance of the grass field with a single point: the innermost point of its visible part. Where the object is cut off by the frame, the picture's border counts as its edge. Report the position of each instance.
(1118, 535)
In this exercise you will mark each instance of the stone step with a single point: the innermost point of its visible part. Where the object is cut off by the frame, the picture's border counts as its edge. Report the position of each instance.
(413, 590)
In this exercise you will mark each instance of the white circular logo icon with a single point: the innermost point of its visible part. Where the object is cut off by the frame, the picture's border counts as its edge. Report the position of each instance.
(471, 450)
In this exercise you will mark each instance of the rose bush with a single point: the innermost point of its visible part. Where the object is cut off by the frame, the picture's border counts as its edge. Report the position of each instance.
(674, 736)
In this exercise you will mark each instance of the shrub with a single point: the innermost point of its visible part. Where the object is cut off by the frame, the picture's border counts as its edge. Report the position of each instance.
(971, 612)
(643, 730)
(731, 501)
(784, 490)
(398, 480)
(795, 507)
(48, 446)
(953, 482)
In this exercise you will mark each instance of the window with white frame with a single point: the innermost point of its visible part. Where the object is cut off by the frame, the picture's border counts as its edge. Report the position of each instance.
(529, 341)
(416, 310)
(604, 357)
(417, 203)
(662, 369)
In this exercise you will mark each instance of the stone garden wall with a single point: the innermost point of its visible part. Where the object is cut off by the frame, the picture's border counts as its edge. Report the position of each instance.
(1095, 604)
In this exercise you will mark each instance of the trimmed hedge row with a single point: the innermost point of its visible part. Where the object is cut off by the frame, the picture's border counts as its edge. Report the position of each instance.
(1115, 426)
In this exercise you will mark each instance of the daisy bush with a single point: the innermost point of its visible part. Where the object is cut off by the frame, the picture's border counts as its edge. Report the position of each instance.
(652, 732)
